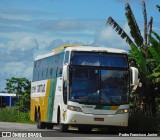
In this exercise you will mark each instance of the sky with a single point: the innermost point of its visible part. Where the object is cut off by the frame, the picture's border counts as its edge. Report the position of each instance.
(32, 27)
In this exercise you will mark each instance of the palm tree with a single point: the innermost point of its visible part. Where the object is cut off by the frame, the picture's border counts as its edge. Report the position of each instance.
(141, 53)
(134, 28)
(155, 52)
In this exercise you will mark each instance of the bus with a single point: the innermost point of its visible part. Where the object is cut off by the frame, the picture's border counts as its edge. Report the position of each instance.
(83, 87)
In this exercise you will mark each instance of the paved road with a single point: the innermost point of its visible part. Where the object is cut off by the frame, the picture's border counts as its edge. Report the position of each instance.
(72, 134)
(19, 127)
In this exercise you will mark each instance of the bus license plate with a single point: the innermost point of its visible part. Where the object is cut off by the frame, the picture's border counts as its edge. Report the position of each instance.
(98, 119)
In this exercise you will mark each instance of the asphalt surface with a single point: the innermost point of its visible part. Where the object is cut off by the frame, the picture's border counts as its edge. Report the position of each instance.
(27, 131)
(29, 128)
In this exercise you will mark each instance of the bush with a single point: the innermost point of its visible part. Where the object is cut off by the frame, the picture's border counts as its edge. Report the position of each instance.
(8, 114)
(11, 114)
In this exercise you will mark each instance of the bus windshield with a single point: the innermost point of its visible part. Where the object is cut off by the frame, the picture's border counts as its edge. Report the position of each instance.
(99, 86)
(99, 59)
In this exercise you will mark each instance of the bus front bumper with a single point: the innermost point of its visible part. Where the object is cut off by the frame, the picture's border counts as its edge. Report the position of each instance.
(73, 117)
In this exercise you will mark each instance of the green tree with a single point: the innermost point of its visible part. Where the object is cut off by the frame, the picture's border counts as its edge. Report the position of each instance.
(21, 87)
(155, 61)
(142, 54)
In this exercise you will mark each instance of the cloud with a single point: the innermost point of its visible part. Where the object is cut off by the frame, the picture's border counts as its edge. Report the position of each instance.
(14, 68)
(26, 14)
(63, 25)
(58, 42)
(109, 38)
(47, 30)
(16, 17)
(26, 44)
(17, 59)
(1, 45)
(70, 25)
(46, 48)
(24, 48)
(17, 36)
(28, 71)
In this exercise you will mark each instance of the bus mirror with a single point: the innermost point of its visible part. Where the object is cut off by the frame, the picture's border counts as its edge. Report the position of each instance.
(134, 76)
(65, 72)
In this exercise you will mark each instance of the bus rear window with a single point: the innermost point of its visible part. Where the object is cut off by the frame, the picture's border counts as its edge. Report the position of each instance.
(99, 59)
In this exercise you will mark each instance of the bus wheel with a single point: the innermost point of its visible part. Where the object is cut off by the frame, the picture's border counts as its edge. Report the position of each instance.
(49, 125)
(40, 125)
(62, 127)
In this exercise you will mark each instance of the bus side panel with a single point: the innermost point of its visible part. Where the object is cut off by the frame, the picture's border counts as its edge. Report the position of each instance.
(39, 100)
(51, 98)
(58, 98)
(44, 103)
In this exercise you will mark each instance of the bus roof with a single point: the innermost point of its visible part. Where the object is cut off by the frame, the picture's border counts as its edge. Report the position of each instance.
(74, 47)
(96, 49)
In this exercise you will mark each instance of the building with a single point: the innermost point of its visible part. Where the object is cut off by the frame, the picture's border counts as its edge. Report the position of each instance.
(6, 99)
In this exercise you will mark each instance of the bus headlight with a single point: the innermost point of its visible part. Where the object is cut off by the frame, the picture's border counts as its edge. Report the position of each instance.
(121, 111)
(74, 108)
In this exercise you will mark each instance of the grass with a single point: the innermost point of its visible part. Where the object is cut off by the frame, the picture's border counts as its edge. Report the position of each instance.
(11, 114)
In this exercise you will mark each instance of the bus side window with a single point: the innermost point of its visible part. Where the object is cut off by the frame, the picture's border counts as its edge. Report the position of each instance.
(34, 72)
(41, 70)
(66, 57)
(47, 74)
(52, 67)
(37, 71)
(49, 68)
(45, 68)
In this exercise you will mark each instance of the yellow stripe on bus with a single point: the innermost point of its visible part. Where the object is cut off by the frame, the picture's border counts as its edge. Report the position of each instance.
(44, 102)
(114, 107)
(63, 47)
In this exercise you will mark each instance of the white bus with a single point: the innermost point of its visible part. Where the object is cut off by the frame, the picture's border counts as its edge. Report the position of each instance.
(82, 86)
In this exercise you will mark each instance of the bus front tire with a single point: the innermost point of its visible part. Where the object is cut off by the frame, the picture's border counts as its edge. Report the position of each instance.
(63, 127)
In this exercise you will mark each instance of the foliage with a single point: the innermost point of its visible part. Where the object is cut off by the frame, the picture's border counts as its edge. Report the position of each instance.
(134, 29)
(119, 30)
(155, 53)
(21, 87)
(147, 59)
(136, 54)
(10, 114)
(158, 7)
